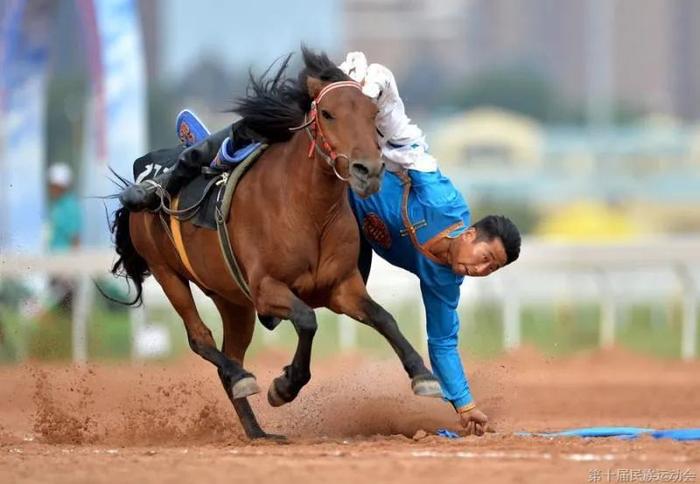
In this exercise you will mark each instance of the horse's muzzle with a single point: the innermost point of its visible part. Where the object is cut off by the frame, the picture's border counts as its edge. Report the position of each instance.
(365, 179)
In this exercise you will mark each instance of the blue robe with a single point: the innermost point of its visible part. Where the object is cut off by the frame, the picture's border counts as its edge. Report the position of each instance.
(435, 209)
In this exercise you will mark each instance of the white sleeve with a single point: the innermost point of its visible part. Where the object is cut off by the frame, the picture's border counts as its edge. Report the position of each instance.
(403, 143)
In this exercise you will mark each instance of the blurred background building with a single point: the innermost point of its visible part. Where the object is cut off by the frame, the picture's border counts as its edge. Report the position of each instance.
(580, 120)
(608, 92)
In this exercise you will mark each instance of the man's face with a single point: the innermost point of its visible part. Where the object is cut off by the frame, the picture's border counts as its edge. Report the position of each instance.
(477, 258)
(55, 191)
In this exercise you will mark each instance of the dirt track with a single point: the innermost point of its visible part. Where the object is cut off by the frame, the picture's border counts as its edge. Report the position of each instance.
(354, 422)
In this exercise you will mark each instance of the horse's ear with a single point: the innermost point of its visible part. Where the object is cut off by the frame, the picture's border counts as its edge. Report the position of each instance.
(314, 86)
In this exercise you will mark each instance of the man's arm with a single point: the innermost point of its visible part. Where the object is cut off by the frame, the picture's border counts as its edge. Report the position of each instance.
(443, 335)
(402, 142)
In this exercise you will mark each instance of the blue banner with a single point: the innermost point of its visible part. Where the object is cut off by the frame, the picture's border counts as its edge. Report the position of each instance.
(23, 60)
(116, 113)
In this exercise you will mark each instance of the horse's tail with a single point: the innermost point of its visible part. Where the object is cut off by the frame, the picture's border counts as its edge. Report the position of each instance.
(129, 264)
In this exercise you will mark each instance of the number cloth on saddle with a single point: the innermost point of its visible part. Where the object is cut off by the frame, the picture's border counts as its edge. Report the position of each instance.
(193, 193)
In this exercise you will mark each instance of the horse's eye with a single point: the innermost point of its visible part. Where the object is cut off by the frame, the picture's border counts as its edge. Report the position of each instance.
(326, 114)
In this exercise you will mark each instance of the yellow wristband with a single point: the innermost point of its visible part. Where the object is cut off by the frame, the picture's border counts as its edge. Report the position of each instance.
(467, 408)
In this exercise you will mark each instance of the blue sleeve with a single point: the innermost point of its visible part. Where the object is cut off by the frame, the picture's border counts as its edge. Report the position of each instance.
(443, 334)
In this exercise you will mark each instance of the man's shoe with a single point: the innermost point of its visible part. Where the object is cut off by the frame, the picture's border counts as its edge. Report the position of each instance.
(190, 129)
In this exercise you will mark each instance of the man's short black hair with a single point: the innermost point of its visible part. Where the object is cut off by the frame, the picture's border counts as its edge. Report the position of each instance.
(492, 226)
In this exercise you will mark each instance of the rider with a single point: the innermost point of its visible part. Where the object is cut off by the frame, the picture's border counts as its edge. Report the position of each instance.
(417, 221)
(420, 222)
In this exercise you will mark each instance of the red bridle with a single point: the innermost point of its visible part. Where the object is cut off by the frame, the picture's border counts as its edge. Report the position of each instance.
(315, 132)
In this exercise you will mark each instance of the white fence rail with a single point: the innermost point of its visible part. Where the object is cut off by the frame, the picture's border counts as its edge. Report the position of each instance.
(609, 274)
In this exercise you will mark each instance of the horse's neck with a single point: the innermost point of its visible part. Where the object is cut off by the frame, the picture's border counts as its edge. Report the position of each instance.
(314, 189)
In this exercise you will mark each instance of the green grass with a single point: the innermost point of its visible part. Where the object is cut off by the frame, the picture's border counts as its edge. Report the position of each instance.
(481, 331)
(555, 330)
(109, 336)
(561, 329)
(644, 333)
(14, 337)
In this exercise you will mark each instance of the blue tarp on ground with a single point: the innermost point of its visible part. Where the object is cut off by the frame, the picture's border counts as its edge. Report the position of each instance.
(622, 432)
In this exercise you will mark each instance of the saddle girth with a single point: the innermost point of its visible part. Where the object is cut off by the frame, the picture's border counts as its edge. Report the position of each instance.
(227, 183)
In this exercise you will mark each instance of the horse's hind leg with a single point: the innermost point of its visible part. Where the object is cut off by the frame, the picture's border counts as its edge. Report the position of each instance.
(239, 323)
(200, 338)
(273, 298)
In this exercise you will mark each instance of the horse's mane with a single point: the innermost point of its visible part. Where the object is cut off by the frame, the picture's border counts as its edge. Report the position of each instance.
(274, 103)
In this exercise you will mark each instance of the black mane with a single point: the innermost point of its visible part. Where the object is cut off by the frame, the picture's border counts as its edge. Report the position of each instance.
(274, 103)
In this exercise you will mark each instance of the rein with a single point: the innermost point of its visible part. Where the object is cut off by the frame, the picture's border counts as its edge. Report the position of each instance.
(312, 126)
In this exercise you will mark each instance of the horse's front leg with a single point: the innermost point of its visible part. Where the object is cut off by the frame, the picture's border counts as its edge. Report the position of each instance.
(240, 383)
(350, 297)
(273, 299)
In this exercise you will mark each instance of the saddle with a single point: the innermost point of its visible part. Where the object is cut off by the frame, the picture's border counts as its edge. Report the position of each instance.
(206, 201)
(197, 200)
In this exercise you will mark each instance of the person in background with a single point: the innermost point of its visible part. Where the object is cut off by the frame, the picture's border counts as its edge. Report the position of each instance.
(64, 210)
(65, 224)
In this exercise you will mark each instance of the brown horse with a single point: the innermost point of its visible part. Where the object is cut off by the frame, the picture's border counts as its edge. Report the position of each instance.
(291, 228)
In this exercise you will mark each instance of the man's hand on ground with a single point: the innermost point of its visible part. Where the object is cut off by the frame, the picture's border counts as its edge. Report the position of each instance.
(474, 421)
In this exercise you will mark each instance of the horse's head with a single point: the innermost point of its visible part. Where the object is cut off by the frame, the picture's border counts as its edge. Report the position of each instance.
(325, 102)
(346, 134)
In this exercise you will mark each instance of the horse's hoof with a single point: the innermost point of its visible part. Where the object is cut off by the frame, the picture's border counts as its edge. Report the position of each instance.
(245, 387)
(273, 396)
(273, 438)
(426, 386)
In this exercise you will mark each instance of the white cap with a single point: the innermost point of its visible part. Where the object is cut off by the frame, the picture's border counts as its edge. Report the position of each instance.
(60, 174)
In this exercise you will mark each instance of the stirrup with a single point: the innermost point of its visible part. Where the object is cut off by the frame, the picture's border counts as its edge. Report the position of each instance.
(210, 171)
